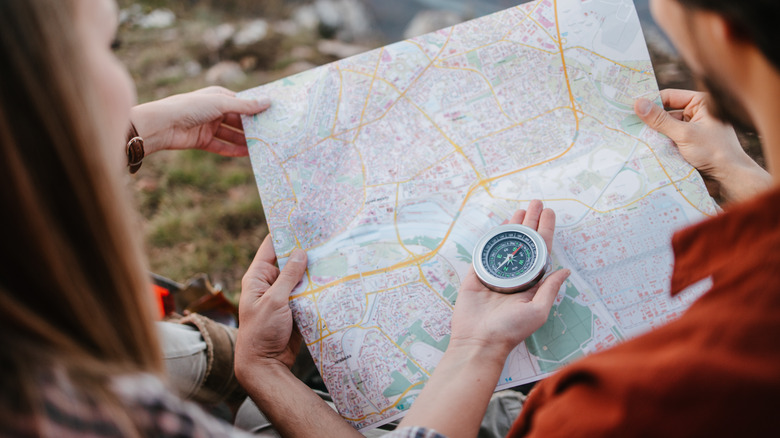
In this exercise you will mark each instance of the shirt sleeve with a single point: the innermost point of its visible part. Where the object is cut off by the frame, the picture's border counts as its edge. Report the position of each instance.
(414, 432)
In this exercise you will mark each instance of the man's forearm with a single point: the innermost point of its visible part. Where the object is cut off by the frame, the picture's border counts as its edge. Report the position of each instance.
(455, 398)
(291, 406)
(744, 181)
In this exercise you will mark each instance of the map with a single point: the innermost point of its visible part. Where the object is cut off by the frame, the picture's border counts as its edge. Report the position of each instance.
(389, 166)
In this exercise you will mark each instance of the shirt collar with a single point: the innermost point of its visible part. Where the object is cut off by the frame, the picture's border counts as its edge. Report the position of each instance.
(702, 250)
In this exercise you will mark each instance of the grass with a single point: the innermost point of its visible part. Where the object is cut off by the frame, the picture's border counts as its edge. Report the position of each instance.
(201, 213)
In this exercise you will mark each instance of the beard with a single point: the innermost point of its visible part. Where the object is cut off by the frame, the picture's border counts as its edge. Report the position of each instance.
(723, 105)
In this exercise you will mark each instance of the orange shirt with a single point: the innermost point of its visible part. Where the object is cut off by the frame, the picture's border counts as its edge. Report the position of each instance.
(713, 372)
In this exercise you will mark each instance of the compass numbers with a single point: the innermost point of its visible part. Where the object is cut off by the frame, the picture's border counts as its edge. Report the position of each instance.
(509, 254)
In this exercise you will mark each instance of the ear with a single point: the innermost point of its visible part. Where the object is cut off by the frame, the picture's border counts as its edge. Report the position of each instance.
(721, 31)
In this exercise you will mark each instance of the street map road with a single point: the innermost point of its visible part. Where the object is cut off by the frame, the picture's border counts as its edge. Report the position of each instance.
(388, 167)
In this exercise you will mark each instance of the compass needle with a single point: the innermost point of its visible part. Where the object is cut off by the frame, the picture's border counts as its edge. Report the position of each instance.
(510, 258)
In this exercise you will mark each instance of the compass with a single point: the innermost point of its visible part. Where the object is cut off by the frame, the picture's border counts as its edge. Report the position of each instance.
(511, 258)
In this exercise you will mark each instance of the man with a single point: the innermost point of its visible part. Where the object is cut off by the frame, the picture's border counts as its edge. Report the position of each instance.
(715, 371)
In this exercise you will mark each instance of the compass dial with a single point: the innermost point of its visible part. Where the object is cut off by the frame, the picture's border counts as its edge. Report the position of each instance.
(509, 254)
(511, 258)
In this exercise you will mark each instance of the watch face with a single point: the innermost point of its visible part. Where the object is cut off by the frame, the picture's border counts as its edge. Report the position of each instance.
(509, 254)
(510, 258)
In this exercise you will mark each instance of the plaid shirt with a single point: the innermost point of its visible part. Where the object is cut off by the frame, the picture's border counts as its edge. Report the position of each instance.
(153, 409)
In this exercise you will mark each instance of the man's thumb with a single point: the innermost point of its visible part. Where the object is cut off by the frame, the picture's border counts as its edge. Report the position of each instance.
(290, 275)
(657, 118)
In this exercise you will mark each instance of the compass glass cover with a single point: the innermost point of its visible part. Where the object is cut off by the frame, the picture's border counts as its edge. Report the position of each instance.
(509, 254)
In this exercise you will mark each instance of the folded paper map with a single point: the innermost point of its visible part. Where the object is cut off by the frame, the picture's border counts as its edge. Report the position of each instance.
(387, 168)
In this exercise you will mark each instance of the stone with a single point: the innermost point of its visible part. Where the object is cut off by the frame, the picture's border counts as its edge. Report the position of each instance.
(216, 37)
(347, 20)
(287, 28)
(157, 19)
(302, 52)
(298, 67)
(192, 69)
(225, 73)
(306, 17)
(430, 21)
(252, 33)
(339, 49)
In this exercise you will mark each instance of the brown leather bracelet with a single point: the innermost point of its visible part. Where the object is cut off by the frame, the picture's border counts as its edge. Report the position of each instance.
(134, 149)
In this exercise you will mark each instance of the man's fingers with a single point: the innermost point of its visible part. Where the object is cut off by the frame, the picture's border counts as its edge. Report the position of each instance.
(518, 217)
(547, 227)
(550, 287)
(290, 276)
(262, 268)
(658, 119)
(678, 99)
(531, 219)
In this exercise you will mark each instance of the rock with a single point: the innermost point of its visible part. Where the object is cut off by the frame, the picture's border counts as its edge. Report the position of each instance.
(248, 63)
(329, 14)
(252, 33)
(347, 20)
(157, 19)
(131, 14)
(302, 52)
(298, 67)
(338, 49)
(287, 28)
(216, 37)
(192, 69)
(306, 17)
(430, 21)
(225, 72)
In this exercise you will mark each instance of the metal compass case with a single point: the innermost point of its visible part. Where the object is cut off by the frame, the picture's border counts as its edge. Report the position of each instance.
(511, 258)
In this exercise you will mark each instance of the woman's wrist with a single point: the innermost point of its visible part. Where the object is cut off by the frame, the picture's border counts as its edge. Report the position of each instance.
(142, 117)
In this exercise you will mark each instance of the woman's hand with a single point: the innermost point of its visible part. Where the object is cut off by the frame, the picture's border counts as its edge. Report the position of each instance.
(706, 143)
(484, 318)
(266, 335)
(208, 119)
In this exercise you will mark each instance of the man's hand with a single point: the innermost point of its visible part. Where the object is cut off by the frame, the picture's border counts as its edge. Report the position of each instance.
(208, 119)
(266, 335)
(486, 318)
(486, 326)
(707, 144)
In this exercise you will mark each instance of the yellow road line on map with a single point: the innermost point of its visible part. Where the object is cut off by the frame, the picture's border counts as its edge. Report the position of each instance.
(589, 207)
(660, 163)
(368, 94)
(527, 15)
(492, 90)
(435, 292)
(338, 102)
(644, 72)
(400, 398)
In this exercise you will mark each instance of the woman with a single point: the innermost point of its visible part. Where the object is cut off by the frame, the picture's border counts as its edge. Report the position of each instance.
(79, 351)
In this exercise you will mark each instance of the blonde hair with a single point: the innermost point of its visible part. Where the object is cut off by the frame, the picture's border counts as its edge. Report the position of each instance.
(74, 292)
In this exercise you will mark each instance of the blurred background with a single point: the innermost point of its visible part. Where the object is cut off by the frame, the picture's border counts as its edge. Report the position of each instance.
(202, 212)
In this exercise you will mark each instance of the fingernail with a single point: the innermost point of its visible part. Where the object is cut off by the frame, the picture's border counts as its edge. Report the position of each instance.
(643, 107)
(264, 101)
(297, 255)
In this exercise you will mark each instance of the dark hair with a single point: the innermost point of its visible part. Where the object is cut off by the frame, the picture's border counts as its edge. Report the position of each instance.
(756, 20)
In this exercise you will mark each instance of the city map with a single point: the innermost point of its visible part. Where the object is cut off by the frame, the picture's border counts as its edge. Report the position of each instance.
(389, 166)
